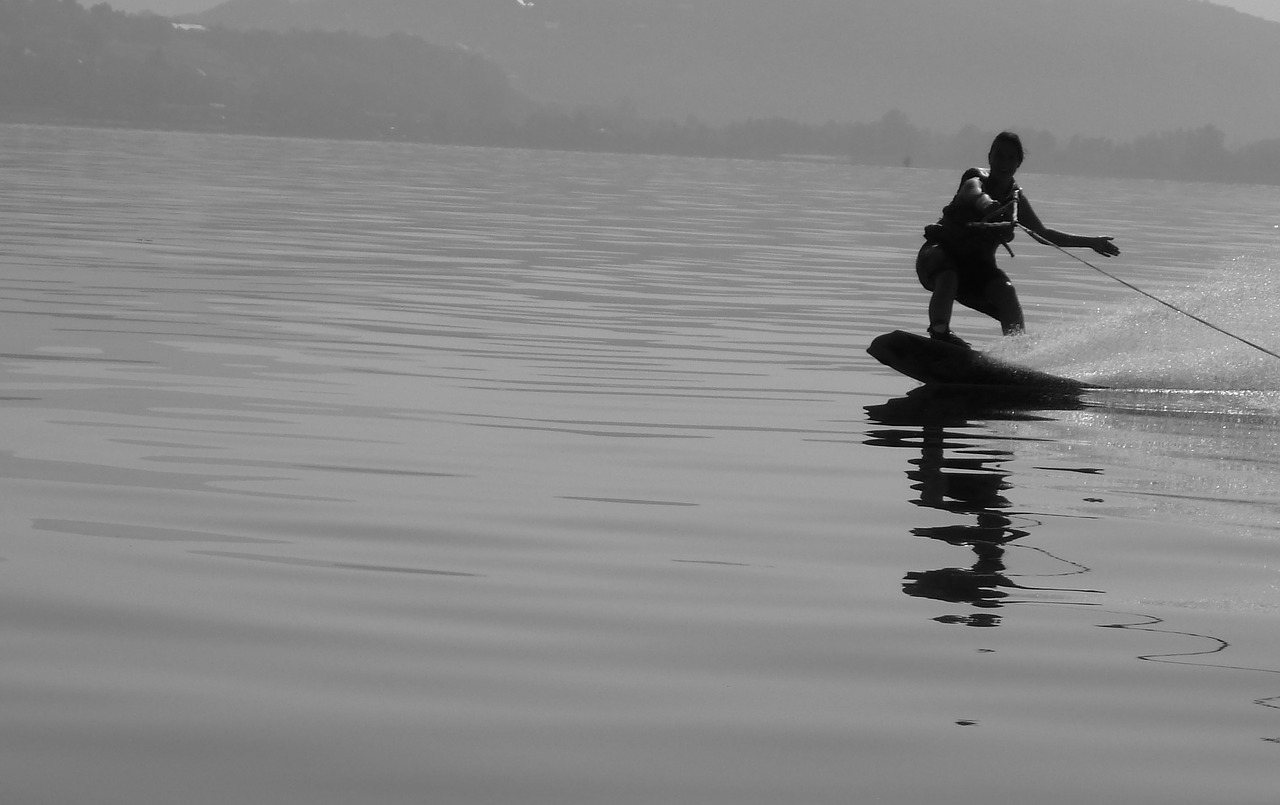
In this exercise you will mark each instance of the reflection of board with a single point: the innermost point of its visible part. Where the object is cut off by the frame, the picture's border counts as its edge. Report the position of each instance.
(936, 362)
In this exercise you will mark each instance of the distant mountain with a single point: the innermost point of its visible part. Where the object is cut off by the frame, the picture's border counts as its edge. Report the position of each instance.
(1111, 68)
(60, 63)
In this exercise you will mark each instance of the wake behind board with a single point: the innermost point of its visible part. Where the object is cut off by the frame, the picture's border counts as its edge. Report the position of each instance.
(934, 362)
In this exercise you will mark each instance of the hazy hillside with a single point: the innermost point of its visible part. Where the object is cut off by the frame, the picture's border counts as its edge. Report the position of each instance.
(1115, 68)
(60, 62)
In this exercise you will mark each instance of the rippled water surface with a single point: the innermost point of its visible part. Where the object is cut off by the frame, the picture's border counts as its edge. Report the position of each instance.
(361, 473)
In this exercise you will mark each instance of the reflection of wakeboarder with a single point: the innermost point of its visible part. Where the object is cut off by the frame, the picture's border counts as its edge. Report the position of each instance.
(970, 486)
(967, 481)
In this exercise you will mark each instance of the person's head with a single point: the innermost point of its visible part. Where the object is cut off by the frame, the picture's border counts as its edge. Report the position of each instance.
(1006, 153)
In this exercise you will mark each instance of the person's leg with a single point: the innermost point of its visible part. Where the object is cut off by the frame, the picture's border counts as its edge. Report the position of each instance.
(1003, 300)
(999, 300)
(939, 276)
(945, 285)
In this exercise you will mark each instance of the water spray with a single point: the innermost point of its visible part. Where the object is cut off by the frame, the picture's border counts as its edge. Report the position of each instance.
(1150, 296)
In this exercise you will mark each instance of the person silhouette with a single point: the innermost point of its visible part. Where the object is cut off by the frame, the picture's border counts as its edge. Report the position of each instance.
(957, 262)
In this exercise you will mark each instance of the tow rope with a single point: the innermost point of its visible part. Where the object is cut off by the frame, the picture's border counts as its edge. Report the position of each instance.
(1150, 296)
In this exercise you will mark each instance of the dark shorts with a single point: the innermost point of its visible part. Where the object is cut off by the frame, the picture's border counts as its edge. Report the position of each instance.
(975, 273)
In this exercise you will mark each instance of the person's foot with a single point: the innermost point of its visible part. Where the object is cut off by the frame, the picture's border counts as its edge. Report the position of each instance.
(949, 337)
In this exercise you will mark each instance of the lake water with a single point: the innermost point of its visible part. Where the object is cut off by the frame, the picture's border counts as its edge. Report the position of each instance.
(375, 473)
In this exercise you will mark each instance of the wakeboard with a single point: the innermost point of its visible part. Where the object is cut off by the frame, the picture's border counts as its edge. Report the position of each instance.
(935, 362)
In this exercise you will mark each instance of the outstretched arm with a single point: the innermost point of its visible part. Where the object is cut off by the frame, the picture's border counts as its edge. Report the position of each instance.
(1027, 217)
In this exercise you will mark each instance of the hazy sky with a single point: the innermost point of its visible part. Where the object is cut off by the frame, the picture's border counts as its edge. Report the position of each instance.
(166, 7)
(1269, 9)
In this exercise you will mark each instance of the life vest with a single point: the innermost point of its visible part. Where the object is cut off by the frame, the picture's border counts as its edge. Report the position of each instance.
(953, 231)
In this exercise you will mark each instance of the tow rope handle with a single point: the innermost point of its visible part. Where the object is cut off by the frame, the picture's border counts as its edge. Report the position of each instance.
(1012, 205)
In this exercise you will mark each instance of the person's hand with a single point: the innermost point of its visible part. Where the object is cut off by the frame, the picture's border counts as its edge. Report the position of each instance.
(1104, 247)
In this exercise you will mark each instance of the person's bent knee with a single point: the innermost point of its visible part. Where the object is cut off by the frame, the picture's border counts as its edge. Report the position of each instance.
(946, 281)
(931, 263)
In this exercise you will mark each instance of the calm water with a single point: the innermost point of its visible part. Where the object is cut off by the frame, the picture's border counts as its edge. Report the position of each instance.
(353, 473)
